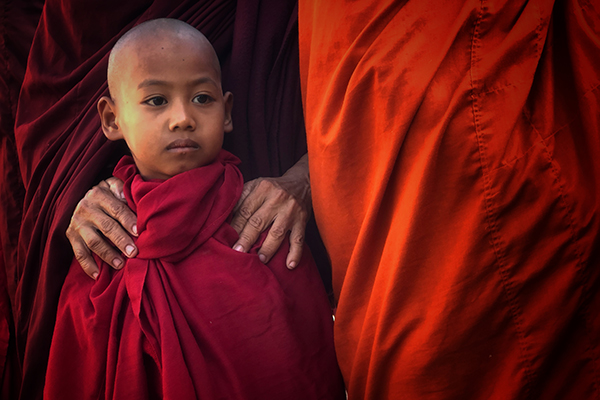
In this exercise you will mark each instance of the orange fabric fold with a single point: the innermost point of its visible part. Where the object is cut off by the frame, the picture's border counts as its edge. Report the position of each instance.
(454, 159)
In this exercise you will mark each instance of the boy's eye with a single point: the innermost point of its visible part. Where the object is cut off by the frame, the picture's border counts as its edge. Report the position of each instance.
(156, 101)
(202, 99)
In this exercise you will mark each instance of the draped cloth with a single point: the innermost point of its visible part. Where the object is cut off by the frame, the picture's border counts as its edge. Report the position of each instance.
(454, 153)
(190, 318)
(18, 20)
(61, 151)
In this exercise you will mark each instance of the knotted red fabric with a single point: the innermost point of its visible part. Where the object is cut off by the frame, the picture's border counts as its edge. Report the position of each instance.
(189, 317)
(62, 152)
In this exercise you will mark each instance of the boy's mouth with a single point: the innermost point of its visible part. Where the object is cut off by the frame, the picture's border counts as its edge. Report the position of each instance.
(183, 145)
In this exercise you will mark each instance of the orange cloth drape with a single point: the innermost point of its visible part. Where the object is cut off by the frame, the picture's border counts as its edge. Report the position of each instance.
(454, 152)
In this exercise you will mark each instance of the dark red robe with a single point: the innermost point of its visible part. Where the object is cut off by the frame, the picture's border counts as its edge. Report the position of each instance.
(62, 152)
(190, 318)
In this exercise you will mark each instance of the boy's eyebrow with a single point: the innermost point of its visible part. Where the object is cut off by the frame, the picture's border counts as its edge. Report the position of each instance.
(158, 82)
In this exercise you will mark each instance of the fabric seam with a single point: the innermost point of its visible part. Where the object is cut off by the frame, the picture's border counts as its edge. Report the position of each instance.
(491, 218)
(582, 271)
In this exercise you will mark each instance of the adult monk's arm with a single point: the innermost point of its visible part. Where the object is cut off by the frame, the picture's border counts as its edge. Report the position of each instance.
(102, 217)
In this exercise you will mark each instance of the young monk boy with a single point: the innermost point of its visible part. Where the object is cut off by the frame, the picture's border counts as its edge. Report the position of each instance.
(188, 317)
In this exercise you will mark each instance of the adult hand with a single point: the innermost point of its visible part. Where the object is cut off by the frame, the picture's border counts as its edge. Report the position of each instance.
(101, 217)
(284, 204)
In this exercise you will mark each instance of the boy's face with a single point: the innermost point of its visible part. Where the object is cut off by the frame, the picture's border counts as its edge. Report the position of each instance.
(169, 106)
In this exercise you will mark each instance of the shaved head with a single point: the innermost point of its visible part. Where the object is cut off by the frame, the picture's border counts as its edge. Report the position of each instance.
(166, 99)
(152, 35)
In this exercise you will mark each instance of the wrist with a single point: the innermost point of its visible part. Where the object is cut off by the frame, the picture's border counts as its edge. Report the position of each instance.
(298, 177)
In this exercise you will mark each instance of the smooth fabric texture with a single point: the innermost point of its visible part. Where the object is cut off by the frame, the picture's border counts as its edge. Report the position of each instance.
(454, 153)
(190, 318)
(18, 20)
(62, 151)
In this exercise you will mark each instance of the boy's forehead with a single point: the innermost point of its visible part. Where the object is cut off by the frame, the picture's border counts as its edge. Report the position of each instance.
(173, 62)
(147, 52)
(161, 46)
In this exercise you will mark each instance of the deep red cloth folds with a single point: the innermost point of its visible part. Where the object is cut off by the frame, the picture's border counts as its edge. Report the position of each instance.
(189, 317)
(62, 151)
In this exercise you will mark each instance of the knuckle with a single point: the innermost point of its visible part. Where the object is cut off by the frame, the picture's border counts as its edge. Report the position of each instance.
(281, 195)
(246, 238)
(277, 232)
(107, 225)
(249, 187)
(80, 255)
(256, 222)
(81, 207)
(265, 185)
(93, 192)
(246, 190)
(245, 212)
(75, 221)
(117, 209)
(297, 239)
(94, 243)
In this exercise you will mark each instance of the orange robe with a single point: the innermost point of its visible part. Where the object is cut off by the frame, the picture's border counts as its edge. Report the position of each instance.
(454, 152)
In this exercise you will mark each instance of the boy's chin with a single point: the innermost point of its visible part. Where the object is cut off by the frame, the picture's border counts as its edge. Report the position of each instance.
(185, 168)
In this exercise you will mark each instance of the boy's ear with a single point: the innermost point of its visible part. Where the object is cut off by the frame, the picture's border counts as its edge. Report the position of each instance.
(108, 118)
(228, 97)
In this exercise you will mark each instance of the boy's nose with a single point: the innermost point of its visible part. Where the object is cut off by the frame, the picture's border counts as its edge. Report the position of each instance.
(181, 118)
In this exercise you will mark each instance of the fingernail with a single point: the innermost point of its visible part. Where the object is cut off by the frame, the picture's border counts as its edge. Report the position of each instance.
(262, 258)
(129, 249)
(292, 265)
(134, 229)
(95, 275)
(117, 262)
(238, 247)
(122, 195)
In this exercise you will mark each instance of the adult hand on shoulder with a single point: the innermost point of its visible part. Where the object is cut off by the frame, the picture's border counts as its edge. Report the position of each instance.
(101, 217)
(283, 203)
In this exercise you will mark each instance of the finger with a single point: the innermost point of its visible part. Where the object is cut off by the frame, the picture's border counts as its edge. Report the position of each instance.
(245, 220)
(120, 212)
(246, 207)
(100, 198)
(116, 187)
(85, 259)
(114, 232)
(296, 245)
(273, 240)
(248, 188)
(255, 225)
(98, 244)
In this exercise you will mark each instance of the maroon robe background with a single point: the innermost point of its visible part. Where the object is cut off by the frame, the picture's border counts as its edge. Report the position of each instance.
(189, 317)
(18, 20)
(62, 152)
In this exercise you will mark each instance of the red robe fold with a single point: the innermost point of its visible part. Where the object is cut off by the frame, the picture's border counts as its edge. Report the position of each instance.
(189, 317)
(18, 20)
(454, 152)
